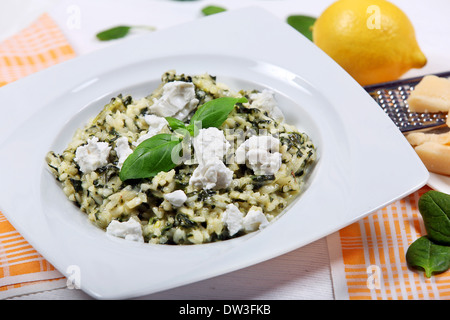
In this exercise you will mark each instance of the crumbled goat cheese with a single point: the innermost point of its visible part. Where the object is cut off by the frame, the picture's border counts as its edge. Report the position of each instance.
(209, 143)
(155, 125)
(233, 219)
(123, 150)
(265, 101)
(177, 100)
(176, 198)
(261, 154)
(128, 230)
(212, 174)
(92, 155)
(254, 220)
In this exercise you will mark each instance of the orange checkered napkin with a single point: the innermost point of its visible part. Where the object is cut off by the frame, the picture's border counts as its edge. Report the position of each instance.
(22, 269)
(39, 46)
(368, 257)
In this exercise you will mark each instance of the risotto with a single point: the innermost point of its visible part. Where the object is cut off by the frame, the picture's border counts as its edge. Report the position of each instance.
(228, 178)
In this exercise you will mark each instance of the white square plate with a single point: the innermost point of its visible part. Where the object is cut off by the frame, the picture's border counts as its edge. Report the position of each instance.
(364, 161)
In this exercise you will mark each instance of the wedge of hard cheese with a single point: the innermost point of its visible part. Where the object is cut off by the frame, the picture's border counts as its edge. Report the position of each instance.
(418, 138)
(431, 94)
(435, 156)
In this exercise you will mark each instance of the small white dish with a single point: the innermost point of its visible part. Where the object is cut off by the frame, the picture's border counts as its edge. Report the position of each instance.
(439, 182)
(364, 161)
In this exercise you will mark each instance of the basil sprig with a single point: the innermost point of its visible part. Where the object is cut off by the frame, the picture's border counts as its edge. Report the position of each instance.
(213, 113)
(160, 151)
(431, 253)
(175, 124)
(150, 157)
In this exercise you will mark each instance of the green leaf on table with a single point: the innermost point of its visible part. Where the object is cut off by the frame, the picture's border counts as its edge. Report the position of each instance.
(214, 112)
(120, 32)
(426, 255)
(302, 24)
(434, 206)
(113, 33)
(209, 10)
(151, 157)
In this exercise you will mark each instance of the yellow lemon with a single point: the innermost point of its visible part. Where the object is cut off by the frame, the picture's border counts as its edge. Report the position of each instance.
(373, 40)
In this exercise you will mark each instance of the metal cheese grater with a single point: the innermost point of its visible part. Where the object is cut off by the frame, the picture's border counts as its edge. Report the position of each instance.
(391, 96)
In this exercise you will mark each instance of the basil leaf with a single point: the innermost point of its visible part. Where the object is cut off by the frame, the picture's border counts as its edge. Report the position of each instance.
(120, 32)
(426, 255)
(209, 10)
(434, 206)
(113, 33)
(214, 113)
(175, 124)
(302, 24)
(162, 152)
(150, 157)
